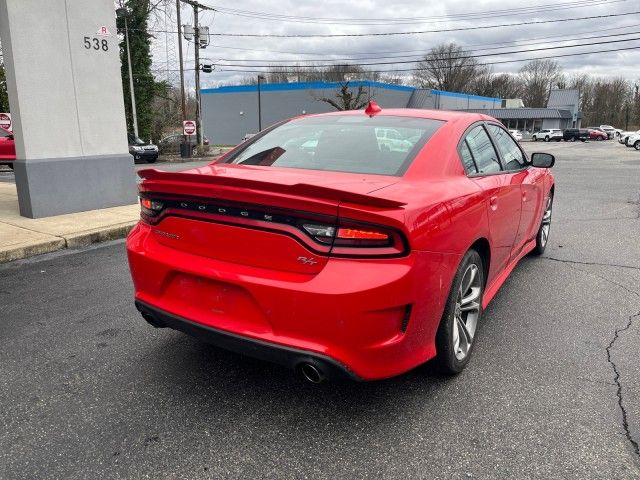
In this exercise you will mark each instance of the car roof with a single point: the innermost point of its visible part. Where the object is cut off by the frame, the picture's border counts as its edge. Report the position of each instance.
(443, 115)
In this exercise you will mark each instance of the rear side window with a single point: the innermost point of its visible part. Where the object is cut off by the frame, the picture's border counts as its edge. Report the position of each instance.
(511, 153)
(482, 151)
(383, 145)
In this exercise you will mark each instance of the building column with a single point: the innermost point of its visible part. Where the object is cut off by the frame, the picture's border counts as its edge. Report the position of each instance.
(65, 92)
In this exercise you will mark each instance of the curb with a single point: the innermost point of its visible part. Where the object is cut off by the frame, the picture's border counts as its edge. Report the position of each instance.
(72, 241)
(32, 250)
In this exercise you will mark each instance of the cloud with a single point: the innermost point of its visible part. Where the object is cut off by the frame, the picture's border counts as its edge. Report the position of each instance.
(430, 16)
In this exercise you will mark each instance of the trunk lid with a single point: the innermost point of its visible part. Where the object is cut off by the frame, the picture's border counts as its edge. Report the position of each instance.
(254, 215)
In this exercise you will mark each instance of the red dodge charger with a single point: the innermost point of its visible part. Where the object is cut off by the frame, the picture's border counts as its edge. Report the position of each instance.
(343, 245)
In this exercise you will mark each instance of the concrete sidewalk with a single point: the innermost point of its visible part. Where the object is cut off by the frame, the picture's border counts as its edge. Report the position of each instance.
(22, 237)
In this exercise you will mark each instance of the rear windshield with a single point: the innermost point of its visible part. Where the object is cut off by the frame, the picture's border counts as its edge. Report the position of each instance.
(383, 145)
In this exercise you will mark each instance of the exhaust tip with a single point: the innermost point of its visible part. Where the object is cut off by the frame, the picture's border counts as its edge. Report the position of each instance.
(311, 373)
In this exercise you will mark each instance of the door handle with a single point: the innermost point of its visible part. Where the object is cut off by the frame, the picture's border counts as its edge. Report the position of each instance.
(493, 202)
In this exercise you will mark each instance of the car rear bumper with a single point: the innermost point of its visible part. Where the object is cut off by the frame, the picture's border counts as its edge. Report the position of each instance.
(286, 356)
(376, 318)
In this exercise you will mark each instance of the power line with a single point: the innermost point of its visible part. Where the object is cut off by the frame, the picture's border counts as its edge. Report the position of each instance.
(414, 32)
(414, 20)
(417, 32)
(422, 51)
(351, 59)
(459, 57)
(498, 62)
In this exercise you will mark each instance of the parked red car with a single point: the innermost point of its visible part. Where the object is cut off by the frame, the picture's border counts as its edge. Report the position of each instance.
(311, 246)
(7, 148)
(598, 135)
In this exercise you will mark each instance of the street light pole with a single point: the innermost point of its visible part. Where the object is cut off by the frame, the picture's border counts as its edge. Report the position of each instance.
(260, 77)
(123, 12)
(196, 42)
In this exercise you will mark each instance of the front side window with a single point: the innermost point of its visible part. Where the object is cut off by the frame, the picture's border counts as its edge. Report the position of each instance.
(481, 148)
(511, 153)
(383, 145)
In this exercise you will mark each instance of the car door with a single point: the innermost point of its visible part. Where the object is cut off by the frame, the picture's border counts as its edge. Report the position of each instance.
(502, 194)
(530, 180)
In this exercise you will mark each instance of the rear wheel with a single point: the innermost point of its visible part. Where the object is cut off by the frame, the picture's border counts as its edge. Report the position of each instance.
(546, 139)
(456, 335)
(534, 138)
(599, 139)
(637, 145)
(545, 227)
(572, 139)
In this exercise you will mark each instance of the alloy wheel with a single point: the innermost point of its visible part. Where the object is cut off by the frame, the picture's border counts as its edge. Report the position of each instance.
(546, 222)
(467, 311)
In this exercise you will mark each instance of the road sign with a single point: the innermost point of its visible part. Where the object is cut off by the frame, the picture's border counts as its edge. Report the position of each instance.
(189, 127)
(5, 121)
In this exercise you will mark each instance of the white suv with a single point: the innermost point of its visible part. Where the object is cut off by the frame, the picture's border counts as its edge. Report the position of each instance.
(547, 135)
(634, 141)
(609, 130)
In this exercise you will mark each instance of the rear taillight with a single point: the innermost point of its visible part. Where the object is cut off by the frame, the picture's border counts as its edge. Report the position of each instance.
(322, 234)
(150, 207)
(357, 239)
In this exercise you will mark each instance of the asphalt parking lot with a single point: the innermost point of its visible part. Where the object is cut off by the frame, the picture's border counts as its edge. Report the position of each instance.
(89, 390)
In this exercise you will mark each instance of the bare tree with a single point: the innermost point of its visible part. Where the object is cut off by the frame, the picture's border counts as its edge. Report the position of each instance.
(448, 67)
(502, 85)
(347, 99)
(538, 77)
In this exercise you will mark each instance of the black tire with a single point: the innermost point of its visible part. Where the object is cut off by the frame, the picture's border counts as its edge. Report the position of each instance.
(546, 139)
(637, 145)
(599, 139)
(447, 360)
(572, 139)
(541, 240)
(534, 138)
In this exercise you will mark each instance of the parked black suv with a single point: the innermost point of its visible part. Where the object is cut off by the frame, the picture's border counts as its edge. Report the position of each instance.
(573, 134)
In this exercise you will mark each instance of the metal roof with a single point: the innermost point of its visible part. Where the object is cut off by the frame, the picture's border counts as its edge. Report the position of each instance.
(564, 97)
(523, 113)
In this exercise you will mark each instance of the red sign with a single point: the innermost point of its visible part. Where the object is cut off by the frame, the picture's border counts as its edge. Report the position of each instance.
(189, 127)
(5, 121)
(104, 31)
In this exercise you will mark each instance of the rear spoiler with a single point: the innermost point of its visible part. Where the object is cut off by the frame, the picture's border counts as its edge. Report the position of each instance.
(302, 189)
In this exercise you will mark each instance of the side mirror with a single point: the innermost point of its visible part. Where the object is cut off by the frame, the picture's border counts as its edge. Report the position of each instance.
(10, 137)
(542, 160)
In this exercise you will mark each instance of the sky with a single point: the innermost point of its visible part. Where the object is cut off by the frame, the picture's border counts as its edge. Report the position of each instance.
(467, 20)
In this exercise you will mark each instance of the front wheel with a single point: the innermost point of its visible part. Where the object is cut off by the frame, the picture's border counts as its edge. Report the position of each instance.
(572, 139)
(457, 331)
(599, 139)
(534, 138)
(546, 139)
(545, 227)
(637, 145)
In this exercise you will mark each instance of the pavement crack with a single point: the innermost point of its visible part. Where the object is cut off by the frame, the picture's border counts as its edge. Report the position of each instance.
(616, 335)
(577, 262)
(616, 379)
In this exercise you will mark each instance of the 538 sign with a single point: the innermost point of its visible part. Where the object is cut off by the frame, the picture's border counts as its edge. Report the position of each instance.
(93, 43)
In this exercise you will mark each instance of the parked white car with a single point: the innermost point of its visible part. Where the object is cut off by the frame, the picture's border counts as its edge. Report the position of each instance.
(609, 130)
(634, 141)
(516, 134)
(547, 135)
(624, 136)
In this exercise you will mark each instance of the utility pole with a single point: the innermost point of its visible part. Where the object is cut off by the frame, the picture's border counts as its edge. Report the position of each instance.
(196, 42)
(182, 97)
(197, 45)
